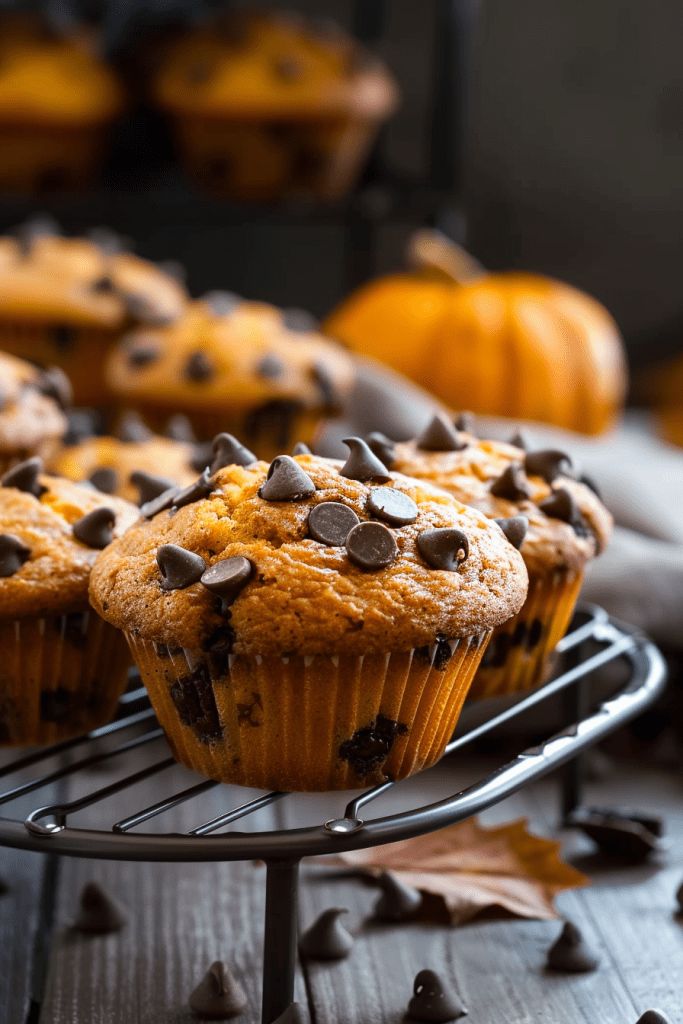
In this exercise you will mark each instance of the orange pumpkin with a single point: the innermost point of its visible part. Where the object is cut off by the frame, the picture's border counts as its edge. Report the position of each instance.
(510, 344)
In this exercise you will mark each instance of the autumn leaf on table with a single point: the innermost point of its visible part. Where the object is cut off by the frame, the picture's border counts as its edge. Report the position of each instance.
(467, 870)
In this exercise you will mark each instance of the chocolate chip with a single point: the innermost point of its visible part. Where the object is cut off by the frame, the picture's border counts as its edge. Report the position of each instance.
(286, 481)
(370, 746)
(13, 554)
(99, 914)
(142, 354)
(440, 436)
(199, 489)
(287, 68)
(165, 500)
(326, 939)
(198, 368)
(141, 308)
(271, 367)
(218, 995)
(571, 953)
(179, 567)
(63, 337)
(398, 902)
(519, 440)
(392, 505)
(299, 320)
(227, 578)
(301, 449)
(103, 284)
(132, 430)
(179, 428)
(195, 703)
(383, 448)
(174, 269)
(432, 1001)
(465, 421)
(105, 479)
(323, 378)
(40, 226)
(514, 529)
(371, 546)
(330, 523)
(107, 241)
(444, 548)
(512, 483)
(226, 450)
(561, 505)
(362, 464)
(547, 463)
(25, 477)
(95, 528)
(201, 456)
(54, 383)
(149, 486)
(83, 423)
(222, 303)
(589, 482)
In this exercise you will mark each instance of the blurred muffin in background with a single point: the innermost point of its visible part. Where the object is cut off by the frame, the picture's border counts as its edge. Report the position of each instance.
(138, 465)
(266, 105)
(65, 301)
(32, 422)
(245, 368)
(57, 102)
(670, 402)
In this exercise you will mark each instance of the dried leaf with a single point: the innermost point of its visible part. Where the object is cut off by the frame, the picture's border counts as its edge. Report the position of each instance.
(466, 870)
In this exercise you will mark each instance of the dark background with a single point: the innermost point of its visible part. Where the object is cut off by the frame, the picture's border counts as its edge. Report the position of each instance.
(573, 166)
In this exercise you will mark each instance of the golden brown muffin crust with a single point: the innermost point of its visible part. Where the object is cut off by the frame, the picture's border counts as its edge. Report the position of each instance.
(54, 577)
(158, 456)
(468, 475)
(28, 418)
(305, 597)
(241, 359)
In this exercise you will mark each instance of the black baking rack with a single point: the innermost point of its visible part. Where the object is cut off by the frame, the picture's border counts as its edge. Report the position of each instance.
(593, 641)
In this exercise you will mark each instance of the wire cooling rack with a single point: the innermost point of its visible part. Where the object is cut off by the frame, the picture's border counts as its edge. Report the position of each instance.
(593, 641)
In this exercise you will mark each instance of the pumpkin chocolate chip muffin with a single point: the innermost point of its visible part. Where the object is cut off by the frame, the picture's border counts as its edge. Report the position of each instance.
(137, 465)
(308, 624)
(65, 301)
(63, 667)
(567, 526)
(247, 368)
(31, 418)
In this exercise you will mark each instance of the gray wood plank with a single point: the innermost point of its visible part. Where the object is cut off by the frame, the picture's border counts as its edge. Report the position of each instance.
(497, 967)
(22, 896)
(182, 917)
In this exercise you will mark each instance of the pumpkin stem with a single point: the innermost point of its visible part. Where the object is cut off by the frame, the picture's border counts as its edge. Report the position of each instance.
(431, 251)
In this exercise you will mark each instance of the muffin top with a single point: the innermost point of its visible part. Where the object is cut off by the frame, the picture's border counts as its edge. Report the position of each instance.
(30, 401)
(227, 350)
(48, 79)
(308, 556)
(255, 64)
(568, 524)
(51, 531)
(75, 282)
(137, 466)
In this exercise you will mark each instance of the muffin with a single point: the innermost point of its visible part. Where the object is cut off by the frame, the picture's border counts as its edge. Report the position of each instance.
(57, 102)
(65, 301)
(63, 667)
(246, 368)
(308, 625)
(267, 105)
(32, 421)
(567, 526)
(138, 465)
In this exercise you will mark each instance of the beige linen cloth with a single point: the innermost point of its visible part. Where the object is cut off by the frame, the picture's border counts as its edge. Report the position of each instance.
(639, 579)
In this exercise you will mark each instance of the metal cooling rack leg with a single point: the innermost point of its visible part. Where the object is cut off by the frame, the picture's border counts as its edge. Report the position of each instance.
(280, 938)
(576, 701)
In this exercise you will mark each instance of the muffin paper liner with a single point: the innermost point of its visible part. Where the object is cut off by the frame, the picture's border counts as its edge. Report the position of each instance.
(81, 353)
(308, 723)
(268, 158)
(60, 676)
(265, 436)
(39, 159)
(520, 655)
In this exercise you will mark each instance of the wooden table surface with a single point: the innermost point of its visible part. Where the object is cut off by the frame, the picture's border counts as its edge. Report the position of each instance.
(184, 916)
